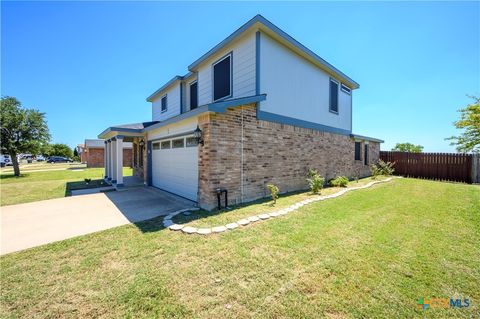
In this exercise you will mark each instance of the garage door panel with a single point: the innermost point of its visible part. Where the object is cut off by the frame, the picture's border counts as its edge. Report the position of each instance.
(176, 170)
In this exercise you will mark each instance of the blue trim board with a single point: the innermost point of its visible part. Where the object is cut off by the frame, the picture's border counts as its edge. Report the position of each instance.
(120, 185)
(173, 80)
(181, 98)
(257, 67)
(219, 107)
(272, 117)
(149, 164)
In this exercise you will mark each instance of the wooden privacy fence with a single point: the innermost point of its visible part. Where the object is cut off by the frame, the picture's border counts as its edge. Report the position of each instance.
(439, 166)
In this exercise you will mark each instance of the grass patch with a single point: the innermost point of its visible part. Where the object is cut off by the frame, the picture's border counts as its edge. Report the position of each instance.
(207, 219)
(368, 254)
(35, 186)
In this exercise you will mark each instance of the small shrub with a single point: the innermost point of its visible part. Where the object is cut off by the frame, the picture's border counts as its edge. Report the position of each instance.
(339, 181)
(315, 181)
(382, 168)
(88, 180)
(273, 192)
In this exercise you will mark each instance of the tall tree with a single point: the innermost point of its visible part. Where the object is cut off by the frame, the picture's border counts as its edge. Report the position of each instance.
(61, 150)
(408, 147)
(469, 122)
(22, 130)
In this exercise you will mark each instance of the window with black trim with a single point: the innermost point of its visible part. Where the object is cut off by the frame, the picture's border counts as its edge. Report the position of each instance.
(156, 146)
(193, 95)
(191, 141)
(164, 103)
(333, 96)
(165, 145)
(178, 143)
(365, 158)
(358, 149)
(222, 78)
(345, 89)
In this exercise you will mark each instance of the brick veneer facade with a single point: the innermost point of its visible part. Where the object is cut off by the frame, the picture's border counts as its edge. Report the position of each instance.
(94, 157)
(272, 153)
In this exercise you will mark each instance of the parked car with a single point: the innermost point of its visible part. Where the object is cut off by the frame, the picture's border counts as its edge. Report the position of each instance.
(59, 159)
(5, 160)
(40, 158)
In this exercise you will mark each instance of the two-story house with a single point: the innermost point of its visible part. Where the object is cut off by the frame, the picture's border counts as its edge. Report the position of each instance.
(258, 108)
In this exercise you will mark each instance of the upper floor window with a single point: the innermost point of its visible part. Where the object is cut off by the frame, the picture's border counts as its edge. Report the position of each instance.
(358, 149)
(222, 78)
(193, 95)
(164, 103)
(345, 89)
(333, 96)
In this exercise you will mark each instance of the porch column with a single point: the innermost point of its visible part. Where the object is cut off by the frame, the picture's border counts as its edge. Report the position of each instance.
(119, 161)
(114, 160)
(109, 160)
(105, 159)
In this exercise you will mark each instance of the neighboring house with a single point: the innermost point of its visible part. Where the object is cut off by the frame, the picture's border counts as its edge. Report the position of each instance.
(92, 153)
(268, 109)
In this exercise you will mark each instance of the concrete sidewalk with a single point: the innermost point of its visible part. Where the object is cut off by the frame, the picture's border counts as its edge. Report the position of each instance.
(33, 224)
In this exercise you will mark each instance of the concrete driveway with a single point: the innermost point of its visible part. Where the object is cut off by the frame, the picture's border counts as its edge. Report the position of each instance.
(33, 224)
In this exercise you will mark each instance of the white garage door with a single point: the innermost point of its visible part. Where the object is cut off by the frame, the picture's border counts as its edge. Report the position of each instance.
(175, 166)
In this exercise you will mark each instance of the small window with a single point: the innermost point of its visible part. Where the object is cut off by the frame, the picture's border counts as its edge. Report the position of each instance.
(358, 149)
(191, 141)
(156, 146)
(366, 155)
(178, 143)
(165, 145)
(345, 89)
(164, 104)
(193, 96)
(222, 78)
(333, 96)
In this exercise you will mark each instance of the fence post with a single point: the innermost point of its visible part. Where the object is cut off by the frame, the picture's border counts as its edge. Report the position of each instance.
(476, 168)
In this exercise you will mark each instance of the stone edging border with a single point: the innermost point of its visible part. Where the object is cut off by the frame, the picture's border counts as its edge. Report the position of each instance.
(168, 223)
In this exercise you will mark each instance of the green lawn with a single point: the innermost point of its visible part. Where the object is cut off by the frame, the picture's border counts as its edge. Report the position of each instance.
(208, 219)
(368, 254)
(35, 186)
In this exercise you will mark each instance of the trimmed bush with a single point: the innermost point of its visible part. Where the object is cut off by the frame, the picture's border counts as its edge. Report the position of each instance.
(315, 181)
(382, 168)
(273, 192)
(339, 181)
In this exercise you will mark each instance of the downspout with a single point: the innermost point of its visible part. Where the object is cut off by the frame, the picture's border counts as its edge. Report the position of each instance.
(241, 169)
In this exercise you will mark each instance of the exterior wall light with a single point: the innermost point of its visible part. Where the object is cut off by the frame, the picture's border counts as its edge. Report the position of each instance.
(198, 135)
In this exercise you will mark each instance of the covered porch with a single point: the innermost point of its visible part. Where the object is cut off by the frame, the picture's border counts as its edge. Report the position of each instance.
(114, 139)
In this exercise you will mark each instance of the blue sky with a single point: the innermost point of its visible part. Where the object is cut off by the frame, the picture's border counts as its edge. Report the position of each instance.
(90, 65)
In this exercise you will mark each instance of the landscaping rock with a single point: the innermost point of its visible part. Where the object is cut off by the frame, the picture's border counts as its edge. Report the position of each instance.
(274, 214)
(176, 226)
(219, 229)
(264, 216)
(243, 222)
(204, 231)
(253, 218)
(187, 213)
(231, 225)
(189, 230)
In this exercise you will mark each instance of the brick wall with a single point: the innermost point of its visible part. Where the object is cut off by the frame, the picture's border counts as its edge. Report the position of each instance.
(272, 153)
(94, 157)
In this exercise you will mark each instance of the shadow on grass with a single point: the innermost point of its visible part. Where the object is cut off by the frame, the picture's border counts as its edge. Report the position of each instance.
(77, 185)
(11, 175)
